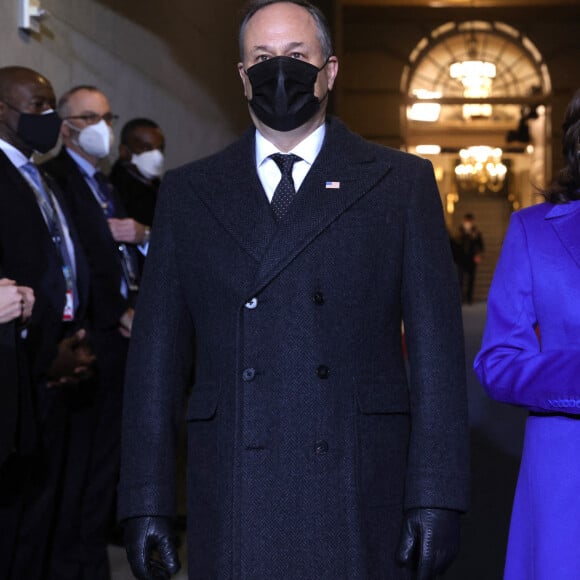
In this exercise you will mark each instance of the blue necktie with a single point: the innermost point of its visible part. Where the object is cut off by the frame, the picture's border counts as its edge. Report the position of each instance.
(129, 265)
(104, 192)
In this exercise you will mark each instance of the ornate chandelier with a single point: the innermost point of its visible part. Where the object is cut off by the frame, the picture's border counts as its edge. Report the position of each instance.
(480, 169)
(476, 77)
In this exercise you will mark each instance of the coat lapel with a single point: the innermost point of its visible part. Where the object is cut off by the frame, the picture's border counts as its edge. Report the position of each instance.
(234, 195)
(564, 220)
(237, 200)
(346, 161)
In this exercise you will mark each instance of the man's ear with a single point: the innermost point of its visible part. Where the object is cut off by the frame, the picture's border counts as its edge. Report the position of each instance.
(245, 81)
(332, 71)
(65, 131)
(124, 152)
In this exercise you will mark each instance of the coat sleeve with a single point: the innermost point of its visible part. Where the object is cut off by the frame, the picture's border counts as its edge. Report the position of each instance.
(511, 364)
(158, 371)
(438, 466)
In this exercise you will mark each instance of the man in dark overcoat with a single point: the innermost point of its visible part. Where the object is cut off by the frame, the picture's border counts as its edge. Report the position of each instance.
(281, 270)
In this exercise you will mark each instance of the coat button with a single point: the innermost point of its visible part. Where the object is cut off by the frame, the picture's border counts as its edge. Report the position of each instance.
(322, 371)
(251, 304)
(318, 298)
(248, 374)
(320, 447)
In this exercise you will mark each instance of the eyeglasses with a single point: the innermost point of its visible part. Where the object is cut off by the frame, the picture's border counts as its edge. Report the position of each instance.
(94, 118)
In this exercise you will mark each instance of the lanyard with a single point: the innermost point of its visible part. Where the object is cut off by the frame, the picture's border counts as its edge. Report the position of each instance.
(127, 263)
(50, 213)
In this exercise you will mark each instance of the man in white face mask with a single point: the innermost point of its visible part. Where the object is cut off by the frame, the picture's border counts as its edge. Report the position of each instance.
(137, 172)
(110, 240)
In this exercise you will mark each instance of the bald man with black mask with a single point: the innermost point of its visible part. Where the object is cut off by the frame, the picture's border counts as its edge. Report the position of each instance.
(39, 248)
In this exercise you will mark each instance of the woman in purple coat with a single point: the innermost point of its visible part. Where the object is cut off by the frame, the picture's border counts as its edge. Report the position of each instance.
(530, 357)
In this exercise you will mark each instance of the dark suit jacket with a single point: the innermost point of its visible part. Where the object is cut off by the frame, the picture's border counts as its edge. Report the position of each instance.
(306, 438)
(138, 196)
(17, 417)
(28, 256)
(9, 385)
(107, 304)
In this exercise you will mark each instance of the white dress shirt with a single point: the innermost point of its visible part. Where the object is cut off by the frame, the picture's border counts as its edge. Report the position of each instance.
(268, 171)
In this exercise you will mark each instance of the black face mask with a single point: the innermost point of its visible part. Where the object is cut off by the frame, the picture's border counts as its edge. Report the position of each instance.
(283, 92)
(38, 131)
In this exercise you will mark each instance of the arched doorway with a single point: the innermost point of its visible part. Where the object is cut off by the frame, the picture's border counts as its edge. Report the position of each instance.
(474, 85)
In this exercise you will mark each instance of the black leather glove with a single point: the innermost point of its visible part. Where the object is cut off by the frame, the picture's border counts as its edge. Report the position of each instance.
(143, 536)
(429, 540)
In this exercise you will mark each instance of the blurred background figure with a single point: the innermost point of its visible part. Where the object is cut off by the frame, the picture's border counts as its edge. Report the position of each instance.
(137, 172)
(530, 357)
(467, 246)
(80, 540)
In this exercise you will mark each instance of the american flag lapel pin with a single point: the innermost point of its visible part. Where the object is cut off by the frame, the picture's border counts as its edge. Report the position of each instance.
(332, 185)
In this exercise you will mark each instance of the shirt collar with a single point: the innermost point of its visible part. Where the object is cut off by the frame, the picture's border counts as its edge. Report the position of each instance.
(308, 149)
(16, 157)
(86, 167)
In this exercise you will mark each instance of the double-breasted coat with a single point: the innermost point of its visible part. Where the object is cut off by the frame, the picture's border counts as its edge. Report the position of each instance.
(530, 357)
(306, 438)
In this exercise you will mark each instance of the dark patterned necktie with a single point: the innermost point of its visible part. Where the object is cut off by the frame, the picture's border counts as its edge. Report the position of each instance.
(285, 189)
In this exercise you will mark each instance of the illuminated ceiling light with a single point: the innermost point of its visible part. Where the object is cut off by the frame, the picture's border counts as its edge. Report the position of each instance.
(428, 112)
(476, 77)
(480, 169)
(472, 110)
(428, 149)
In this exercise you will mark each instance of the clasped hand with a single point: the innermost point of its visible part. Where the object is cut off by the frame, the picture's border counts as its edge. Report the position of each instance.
(15, 301)
(127, 230)
(74, 361)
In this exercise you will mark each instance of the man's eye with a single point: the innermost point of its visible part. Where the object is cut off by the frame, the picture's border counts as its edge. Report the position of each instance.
(263, 57)
(297, 55)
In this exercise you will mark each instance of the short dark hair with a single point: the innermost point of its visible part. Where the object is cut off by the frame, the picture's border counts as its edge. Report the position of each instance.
(130, 126)
(62, 106)
(566, 186)
(324, 35)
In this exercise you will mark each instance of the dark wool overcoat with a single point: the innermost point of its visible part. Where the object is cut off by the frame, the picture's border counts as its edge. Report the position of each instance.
(307, 438)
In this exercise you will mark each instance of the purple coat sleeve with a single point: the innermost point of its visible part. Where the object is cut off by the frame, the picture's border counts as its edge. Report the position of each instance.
(512, 365)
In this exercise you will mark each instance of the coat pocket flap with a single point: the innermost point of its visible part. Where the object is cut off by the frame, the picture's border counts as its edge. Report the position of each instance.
(203, 402)
(382, 398)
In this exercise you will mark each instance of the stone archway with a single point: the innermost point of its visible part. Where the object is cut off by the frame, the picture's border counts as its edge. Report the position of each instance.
(513, 115)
